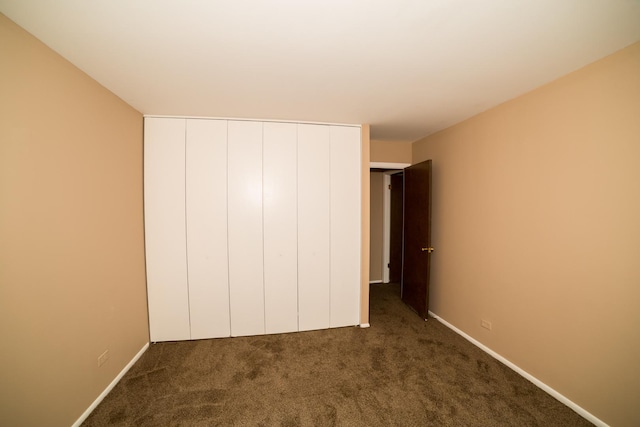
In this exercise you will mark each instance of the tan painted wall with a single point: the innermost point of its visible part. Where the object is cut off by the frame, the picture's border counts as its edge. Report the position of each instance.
(536, 225)
(390, 151)
(383, 152)
(364, 279)
(72, 278)
(375, 252)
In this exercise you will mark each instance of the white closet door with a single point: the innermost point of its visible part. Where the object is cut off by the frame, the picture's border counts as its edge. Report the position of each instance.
(246, 286)
(165, 238)
(313, 226)
(280, 227)
(345, 225)
(206, 202)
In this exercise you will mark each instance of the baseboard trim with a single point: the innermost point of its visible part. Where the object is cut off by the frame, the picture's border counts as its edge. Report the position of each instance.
(558, 396)
(371, 282)
(364, 325)
(109, 387)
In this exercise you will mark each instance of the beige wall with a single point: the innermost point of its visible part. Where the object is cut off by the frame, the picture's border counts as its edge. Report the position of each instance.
(72, 278)
(536, 225)
(375, 252)
(364, 256)
(390, 151)
(382, 152)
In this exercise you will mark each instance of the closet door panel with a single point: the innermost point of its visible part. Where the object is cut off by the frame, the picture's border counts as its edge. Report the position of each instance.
(206, 211)
(280, 227)
(313, 226)
(165, 238)
(345, 225)
(246, 288)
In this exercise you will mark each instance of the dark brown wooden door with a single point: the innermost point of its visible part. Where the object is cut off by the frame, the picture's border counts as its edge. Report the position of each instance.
(416, 249)
(395, 228)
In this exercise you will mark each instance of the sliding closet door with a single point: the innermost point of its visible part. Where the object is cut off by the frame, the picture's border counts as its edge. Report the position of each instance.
(206, 205)
(345, 225)
(280, 227)
(165, 241)
(245, 228)
(313, 226)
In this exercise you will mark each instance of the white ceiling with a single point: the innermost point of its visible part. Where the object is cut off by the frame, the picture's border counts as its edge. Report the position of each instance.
(408, 68)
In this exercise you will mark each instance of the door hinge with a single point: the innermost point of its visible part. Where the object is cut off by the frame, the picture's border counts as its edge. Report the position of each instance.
(390, 186)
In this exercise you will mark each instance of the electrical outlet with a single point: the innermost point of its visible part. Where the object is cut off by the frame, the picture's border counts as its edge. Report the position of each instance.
(486, 324)
(102, 359)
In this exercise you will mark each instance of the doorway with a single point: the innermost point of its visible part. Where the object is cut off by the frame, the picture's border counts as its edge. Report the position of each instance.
(396, 219)
(406, 255)
(381, 233)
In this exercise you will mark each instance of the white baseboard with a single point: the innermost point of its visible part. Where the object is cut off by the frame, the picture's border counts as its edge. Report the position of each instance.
(578, 409)
(364, 325)
(374, 281)
(109, 387)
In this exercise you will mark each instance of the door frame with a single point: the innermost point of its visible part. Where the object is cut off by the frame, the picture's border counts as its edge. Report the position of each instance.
(386, 211)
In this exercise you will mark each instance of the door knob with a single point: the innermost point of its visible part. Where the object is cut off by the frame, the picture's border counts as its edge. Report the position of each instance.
(428, 249)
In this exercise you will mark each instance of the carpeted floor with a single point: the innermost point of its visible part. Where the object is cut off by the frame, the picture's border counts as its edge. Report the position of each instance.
(401, 371)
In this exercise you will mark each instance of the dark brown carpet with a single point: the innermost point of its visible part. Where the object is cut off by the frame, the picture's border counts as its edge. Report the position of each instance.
(400, 372)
